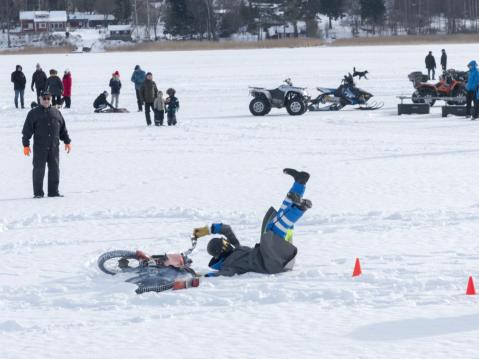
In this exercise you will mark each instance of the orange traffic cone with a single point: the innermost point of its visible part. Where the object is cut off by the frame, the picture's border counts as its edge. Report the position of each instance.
(470, 287)
(357, 268)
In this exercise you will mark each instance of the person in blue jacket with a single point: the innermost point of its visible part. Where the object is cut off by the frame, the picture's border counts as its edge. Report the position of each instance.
(138, 77)
(471, 87)
(275, 252)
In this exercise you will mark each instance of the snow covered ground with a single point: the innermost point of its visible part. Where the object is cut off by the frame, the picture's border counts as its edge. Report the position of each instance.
(400, 193)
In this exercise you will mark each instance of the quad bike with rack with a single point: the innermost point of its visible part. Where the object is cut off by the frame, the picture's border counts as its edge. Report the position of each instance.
(450, 88)
(294, 98)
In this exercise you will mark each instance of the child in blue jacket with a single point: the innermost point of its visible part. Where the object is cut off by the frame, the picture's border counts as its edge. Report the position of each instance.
(172, 106)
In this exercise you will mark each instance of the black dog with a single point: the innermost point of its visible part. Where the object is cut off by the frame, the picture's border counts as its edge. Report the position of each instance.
(360, 74)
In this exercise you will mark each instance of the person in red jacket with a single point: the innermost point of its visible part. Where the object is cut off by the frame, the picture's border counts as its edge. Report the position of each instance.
(67, 88)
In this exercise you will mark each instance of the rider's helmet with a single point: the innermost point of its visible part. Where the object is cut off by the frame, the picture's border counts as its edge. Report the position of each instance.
(218, 247)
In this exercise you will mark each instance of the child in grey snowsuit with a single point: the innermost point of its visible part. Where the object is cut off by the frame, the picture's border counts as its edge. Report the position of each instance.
(159, 109)
(172, 106)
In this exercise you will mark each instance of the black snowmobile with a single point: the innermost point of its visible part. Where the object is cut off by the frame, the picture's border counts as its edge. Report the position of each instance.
(346, 94)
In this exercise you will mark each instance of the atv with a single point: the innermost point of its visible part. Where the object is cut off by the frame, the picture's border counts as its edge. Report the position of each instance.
(346, 94)
(286, 95)
(451, 85)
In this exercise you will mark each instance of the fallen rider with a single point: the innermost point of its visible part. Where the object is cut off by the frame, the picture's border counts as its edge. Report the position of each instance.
(274, 253)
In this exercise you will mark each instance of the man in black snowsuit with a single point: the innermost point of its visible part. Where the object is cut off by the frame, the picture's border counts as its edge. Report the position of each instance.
(275, 252)
(101, 103)
(430, 66)
(444, 60)
(39, 81)
(47, 126)
(19, 82)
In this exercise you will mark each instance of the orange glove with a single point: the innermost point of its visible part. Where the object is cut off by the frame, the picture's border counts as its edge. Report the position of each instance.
(68, 147)
(27, 151)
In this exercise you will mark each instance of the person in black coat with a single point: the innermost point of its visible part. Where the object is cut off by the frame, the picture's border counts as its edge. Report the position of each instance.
(19, 82)
(444, 60)
(101, 103)
(47, 126)
(430, 66)
(39, 81)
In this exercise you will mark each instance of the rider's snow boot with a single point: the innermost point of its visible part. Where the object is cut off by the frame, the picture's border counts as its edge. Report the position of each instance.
(299, 176)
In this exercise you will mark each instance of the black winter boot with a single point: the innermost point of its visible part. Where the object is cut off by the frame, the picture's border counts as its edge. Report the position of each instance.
(300, 177)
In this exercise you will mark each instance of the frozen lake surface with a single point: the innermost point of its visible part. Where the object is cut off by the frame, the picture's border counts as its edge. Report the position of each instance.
(400, 193)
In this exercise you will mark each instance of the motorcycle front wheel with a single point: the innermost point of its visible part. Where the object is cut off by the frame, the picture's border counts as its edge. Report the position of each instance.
(120, 261)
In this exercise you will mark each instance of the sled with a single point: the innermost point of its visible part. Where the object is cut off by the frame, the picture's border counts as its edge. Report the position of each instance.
(114, 110)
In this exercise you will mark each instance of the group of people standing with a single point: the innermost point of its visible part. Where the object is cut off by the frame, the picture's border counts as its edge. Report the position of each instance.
(147, 94)
(60, 89)
(431, 64)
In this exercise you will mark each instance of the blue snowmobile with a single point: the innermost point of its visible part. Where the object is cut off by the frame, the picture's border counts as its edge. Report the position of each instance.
(334, 99)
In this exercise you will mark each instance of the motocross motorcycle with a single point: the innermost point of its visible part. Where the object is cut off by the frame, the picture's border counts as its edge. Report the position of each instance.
(451, 88)
(334, 99)
(287, 95)
(156, 273)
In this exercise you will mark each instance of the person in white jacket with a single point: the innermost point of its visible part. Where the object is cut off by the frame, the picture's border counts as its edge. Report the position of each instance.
(159, 109)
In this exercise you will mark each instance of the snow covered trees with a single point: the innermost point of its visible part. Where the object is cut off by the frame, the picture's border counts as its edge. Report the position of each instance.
(190, 19)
